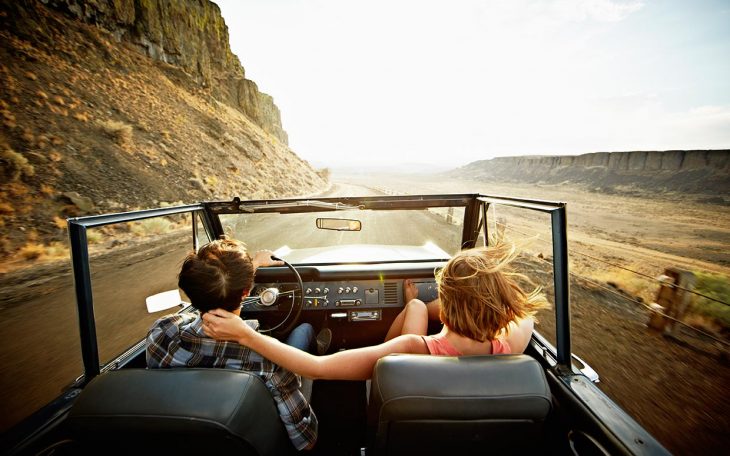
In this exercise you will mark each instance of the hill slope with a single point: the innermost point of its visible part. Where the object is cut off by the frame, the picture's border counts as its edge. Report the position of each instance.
(147, 105)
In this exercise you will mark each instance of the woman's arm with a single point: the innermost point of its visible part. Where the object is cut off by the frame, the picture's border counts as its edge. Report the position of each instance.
(356, 364)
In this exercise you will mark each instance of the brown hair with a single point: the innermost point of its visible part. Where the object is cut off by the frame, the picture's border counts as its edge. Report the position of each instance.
(479, 296)
(218, 275)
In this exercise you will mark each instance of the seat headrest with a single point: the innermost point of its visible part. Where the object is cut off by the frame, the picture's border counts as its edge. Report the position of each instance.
(411, 387)
(187, 408)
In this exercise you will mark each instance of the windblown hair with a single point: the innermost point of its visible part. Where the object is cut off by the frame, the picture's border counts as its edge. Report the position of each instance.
(480, 295)
(217, 275)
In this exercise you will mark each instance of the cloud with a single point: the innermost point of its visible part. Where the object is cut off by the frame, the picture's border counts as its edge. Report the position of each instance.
(594, 10)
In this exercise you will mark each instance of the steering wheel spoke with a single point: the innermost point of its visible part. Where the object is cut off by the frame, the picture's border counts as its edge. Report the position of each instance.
(273, 297)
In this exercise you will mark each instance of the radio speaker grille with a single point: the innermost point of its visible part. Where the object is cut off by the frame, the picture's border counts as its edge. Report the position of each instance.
(390, 290)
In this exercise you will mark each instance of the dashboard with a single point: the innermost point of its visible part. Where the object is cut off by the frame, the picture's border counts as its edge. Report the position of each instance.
(353, 293)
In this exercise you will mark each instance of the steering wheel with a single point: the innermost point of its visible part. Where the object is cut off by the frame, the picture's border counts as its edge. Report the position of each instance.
(287, 324)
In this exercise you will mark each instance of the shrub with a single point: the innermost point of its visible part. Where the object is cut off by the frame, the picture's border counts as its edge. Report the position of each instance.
(211, 181)
(716, 286)
(324, 173)
(632, 284)
(56, 250)
(6, 209)
(94, 236)
(121, 132)
(157, 225)
(60, 223)
(32, 251)
(15, 164)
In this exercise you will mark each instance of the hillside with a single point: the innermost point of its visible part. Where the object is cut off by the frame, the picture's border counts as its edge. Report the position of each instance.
(703, 172)
(110, 105)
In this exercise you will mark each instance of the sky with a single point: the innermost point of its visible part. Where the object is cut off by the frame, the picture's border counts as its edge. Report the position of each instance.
(450, 82)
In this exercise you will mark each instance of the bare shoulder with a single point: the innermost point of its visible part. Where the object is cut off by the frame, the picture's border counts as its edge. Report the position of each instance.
(409, 343)
(520, 334)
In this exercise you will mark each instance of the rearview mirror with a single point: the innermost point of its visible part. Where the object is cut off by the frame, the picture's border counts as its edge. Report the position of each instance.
(339, 224)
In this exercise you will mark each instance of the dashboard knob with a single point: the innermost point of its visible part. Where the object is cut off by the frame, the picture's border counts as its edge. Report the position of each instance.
(354, 289)
(326, 290)
(340, 290)
(347, 290)
(317, 290)
(309, 290)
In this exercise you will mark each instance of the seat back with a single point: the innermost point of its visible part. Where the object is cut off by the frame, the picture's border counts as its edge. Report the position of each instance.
(424, 404)
(140, 411)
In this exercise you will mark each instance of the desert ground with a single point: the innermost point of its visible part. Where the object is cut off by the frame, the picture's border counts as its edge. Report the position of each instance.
(674, 388)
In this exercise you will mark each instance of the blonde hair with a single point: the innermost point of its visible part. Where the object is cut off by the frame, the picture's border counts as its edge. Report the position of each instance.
(480, 296)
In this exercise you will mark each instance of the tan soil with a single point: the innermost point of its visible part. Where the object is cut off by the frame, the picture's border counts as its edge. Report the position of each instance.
(676, 389)
(83, 113)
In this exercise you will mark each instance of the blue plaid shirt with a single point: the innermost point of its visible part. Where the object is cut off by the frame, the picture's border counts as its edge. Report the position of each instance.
(179, 341)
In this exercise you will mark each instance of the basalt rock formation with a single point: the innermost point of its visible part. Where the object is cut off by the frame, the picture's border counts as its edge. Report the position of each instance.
(691, 171)
(109, 105)
(188, 34)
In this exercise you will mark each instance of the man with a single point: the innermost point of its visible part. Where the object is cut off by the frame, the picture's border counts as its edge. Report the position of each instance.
(221, 274)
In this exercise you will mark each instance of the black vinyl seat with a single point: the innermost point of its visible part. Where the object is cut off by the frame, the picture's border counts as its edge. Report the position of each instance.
(177, 411)
(422, 404)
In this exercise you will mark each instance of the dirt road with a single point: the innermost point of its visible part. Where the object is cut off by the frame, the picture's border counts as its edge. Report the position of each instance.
(41, 355)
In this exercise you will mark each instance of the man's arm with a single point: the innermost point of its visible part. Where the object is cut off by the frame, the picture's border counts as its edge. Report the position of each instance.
(262, 258)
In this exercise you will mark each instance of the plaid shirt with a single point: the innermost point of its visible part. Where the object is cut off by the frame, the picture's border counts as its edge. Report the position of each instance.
(179, 341)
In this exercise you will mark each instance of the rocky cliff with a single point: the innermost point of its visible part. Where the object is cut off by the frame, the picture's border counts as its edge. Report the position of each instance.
(189, 34)
(693, 171)
(90, 124)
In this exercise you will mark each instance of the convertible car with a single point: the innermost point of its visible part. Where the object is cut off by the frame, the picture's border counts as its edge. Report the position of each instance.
(345, 262)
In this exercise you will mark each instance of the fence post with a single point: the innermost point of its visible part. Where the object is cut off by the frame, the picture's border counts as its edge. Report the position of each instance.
(672, 300)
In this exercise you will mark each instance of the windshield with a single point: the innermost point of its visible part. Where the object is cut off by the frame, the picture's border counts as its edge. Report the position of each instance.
(392, 235)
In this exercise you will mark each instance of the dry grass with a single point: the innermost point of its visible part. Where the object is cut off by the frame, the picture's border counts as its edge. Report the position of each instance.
(37, 251)
(6, 209)
(153, 226)
(703, 322)
(16, 165)
(119, 131)
(60, 223)
(629, 283)
(32, 251)
(56, 250)
(47, 190)
(94, 236)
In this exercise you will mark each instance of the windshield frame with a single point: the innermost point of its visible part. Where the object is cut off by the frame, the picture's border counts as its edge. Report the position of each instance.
(475, 206)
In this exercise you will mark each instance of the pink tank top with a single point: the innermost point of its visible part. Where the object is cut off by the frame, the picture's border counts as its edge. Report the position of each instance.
(439, 345)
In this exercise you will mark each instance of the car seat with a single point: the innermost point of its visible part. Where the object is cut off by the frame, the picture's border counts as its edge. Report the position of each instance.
(422, 404)
(177, 411)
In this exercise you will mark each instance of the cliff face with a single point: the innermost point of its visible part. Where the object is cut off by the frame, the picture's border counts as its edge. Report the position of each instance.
(88, 124)
(695, 171)
(189, 34)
